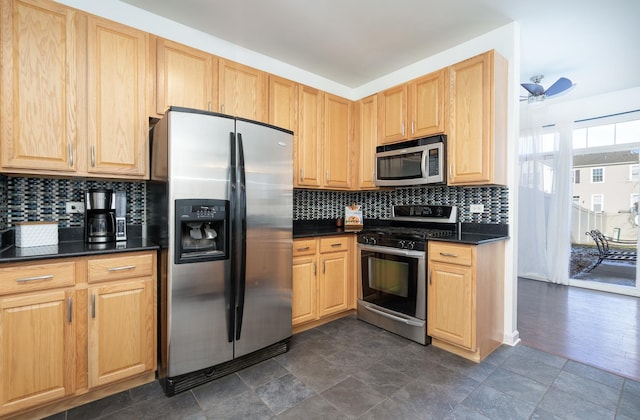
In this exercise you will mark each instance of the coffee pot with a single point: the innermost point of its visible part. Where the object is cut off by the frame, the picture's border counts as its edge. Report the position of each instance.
(100, 218)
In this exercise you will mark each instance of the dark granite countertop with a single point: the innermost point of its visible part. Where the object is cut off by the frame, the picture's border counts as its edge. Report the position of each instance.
(71, 244)
(472, 233)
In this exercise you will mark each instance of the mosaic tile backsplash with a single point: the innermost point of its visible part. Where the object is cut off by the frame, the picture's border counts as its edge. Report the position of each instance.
(313, 205)
(43, 199)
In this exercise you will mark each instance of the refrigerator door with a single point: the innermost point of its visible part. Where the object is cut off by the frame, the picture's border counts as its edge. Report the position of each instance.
(266, 204)
(199, 293)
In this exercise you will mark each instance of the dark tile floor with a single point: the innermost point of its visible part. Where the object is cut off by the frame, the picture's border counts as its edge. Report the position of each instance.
(350, 369)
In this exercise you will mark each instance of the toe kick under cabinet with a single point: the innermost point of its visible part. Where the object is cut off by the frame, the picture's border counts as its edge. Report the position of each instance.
(465, 308)
(73, 330)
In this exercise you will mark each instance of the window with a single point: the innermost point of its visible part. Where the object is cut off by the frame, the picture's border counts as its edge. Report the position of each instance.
(576, 200)
(597, 175)
(633, 172)
(633, 202)
(621, 132)
(597, 203)
(576, 176)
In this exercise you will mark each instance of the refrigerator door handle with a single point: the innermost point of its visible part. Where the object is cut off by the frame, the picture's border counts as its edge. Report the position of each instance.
(241, 237)
(230, 283)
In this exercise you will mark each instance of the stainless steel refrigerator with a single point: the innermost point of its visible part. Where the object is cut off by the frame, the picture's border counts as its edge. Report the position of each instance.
(220, 204)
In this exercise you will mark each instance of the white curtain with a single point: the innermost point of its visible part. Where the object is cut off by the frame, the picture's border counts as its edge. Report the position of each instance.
(544, 207)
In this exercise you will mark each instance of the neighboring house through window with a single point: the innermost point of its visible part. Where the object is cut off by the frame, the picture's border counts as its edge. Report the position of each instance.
(576, 176)
(633, 172)
(576, 200)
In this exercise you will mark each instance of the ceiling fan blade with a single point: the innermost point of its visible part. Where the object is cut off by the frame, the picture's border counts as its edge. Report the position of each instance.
(558, 87)
(533, 88)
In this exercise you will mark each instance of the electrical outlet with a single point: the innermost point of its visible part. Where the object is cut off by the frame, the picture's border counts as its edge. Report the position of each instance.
(75, 207)
(477, 208)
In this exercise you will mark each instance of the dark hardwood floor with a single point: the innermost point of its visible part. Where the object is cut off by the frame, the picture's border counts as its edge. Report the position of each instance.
(596, 328)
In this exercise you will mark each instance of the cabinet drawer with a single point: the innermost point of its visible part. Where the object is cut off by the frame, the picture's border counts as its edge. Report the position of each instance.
(334, 243)
(304, 247)
(450, 253)
(124, 267)
(26, 278)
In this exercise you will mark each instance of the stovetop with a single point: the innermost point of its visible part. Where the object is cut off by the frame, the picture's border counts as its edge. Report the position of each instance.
(412, 226)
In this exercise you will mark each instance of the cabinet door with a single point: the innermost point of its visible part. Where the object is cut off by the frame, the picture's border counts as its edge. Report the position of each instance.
(185, 77)
(121, 331)
(392, 112)
(426, 105)
(333, 283)
(473, 152)
(337, 142)
(118, 120)
(368, 134)
(309, 151)
(242, 91)
(37, 349)
(39, 100)
(304, 289)
(451, 306)
(283, 103)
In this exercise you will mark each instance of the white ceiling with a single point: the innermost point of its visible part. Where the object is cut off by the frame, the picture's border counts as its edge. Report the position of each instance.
(352, 42)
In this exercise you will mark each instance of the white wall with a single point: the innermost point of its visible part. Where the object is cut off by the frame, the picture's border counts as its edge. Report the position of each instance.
(505, 40)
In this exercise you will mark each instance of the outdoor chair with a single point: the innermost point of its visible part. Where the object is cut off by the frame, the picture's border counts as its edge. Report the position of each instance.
(606, 253)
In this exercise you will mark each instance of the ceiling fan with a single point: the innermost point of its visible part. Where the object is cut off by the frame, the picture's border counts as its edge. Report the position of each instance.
(537, 93)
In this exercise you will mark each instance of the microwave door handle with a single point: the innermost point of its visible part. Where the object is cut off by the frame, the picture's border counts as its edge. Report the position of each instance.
(425, 162)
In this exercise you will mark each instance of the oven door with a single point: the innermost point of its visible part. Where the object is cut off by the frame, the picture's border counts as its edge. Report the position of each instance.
(393, 279)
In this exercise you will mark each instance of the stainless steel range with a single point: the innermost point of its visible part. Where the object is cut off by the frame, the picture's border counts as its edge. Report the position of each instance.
(392, 292)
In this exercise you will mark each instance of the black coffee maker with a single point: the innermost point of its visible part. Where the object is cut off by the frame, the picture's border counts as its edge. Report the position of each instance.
(100, 216)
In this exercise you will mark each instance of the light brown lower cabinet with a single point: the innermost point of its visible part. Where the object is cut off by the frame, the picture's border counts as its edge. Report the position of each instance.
(323, 280)
(465, 305)
(75, 330)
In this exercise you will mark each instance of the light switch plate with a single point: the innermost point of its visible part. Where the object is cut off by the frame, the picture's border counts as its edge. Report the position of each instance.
(74, 207)
(477, 208)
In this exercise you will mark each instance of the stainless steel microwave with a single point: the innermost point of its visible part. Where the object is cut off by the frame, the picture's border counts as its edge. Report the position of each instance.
(414, 162)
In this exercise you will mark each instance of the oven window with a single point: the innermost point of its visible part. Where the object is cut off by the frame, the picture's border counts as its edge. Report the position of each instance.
(404, 166)
(390, 281)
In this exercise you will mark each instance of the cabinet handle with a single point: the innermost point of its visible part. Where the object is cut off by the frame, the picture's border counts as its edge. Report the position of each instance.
(430, 278)
(69, 310)
(315, 268)
(36, 278)
(336, 244)
(93, 156)
(402, 127)
(301, 174)
(70, 155)
(447, 254)
(450, 170)
(209, 106)
(93, 305)
(222, 108)
(304, 248)
(413, 127)
(327, 176)
(324, 267)
(126, 267)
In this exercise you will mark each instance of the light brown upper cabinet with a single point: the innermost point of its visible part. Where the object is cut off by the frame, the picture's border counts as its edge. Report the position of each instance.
(308, 151)
(477, 132)
(185, 77)
(39, 51)
(118, 124)
(368, 140)
(283, 103)
(414, 109)
(338, 142)
(242, 91)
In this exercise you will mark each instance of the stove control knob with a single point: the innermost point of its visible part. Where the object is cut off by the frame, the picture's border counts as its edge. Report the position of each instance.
(402, 244)
(411, 245)
(373, 241)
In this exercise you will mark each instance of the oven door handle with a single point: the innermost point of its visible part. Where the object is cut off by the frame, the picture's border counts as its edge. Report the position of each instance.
(392, 251)
(394, 317)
